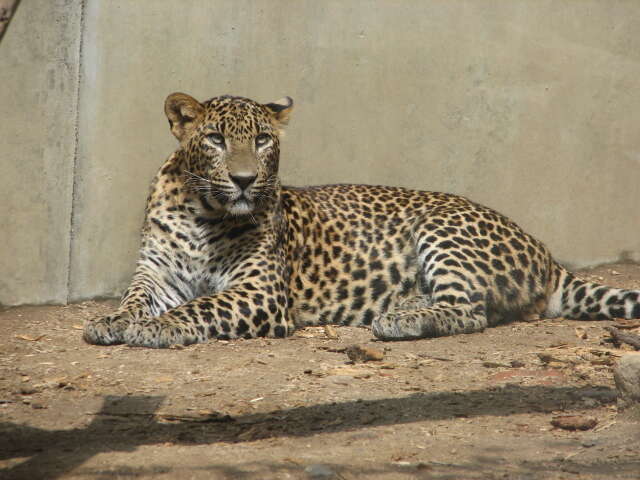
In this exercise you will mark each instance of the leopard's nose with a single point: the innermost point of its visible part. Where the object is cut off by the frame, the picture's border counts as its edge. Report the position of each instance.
(243, 181)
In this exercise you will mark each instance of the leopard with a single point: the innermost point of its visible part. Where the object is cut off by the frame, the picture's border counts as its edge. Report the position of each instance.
(228, 252)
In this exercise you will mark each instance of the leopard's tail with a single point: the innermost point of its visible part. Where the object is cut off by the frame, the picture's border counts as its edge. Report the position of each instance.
(572, 297)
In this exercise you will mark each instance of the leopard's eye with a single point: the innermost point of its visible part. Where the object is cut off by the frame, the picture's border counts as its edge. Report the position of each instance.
(262, 139)
(216, 139)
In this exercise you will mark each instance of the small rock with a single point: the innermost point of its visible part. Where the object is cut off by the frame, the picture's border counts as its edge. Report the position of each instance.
(627, 377)
(413, 465)
(544, 357)
(360, 354)
(517, 364)
(589, 443)
(493, 365)
(37, 406)
(342, 379)
(320, 471)
(28, 391)
(574, 422)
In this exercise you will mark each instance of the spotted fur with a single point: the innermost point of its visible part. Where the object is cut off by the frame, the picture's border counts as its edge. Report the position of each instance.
(227, 252)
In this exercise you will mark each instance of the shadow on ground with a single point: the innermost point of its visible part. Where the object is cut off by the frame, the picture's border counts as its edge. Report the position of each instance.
(125, 423)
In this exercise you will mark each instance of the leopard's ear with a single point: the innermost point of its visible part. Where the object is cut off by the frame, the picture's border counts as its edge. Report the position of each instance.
(280, 111)
(184, 113)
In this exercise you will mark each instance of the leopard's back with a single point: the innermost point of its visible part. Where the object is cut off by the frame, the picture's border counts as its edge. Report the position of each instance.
(358, 250)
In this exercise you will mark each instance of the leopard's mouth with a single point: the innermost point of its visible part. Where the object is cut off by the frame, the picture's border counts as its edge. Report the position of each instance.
(240, 206)
(246, 203)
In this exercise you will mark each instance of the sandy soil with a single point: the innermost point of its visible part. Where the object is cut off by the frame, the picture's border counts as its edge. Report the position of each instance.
(465, 407)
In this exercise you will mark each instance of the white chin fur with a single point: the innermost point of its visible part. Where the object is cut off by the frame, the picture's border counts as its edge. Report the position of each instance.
(241, 207)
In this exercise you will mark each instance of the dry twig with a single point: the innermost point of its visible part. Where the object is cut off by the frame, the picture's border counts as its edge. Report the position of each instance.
(619, 337)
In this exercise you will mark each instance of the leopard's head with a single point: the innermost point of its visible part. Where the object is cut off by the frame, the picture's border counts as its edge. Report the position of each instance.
(232, 148)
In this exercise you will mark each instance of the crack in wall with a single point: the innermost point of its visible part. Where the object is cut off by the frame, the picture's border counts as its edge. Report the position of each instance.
(74, 187)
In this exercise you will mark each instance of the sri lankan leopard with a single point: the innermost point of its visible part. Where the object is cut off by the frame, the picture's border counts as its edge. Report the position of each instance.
(228, 252)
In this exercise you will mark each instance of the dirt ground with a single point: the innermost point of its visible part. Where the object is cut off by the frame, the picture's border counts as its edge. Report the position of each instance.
(466, 407)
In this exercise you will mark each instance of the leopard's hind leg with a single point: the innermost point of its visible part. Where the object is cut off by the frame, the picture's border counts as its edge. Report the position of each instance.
(453, 300)
(449, 310)
(473, 275)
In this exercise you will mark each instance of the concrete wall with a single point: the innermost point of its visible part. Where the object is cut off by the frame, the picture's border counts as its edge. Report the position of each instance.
(531, 107)
(39, 61)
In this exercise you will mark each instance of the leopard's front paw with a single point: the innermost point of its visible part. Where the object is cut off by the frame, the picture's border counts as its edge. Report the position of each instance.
(162, 333)
(106, 330)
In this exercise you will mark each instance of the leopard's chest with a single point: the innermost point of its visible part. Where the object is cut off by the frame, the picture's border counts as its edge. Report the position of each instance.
(203, 252)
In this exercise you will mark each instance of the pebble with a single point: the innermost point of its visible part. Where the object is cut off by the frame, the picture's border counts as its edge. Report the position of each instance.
(493, 365)
(360, 354)
(28, 391)
(320, 471)
(574, 422)
(342, 379)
